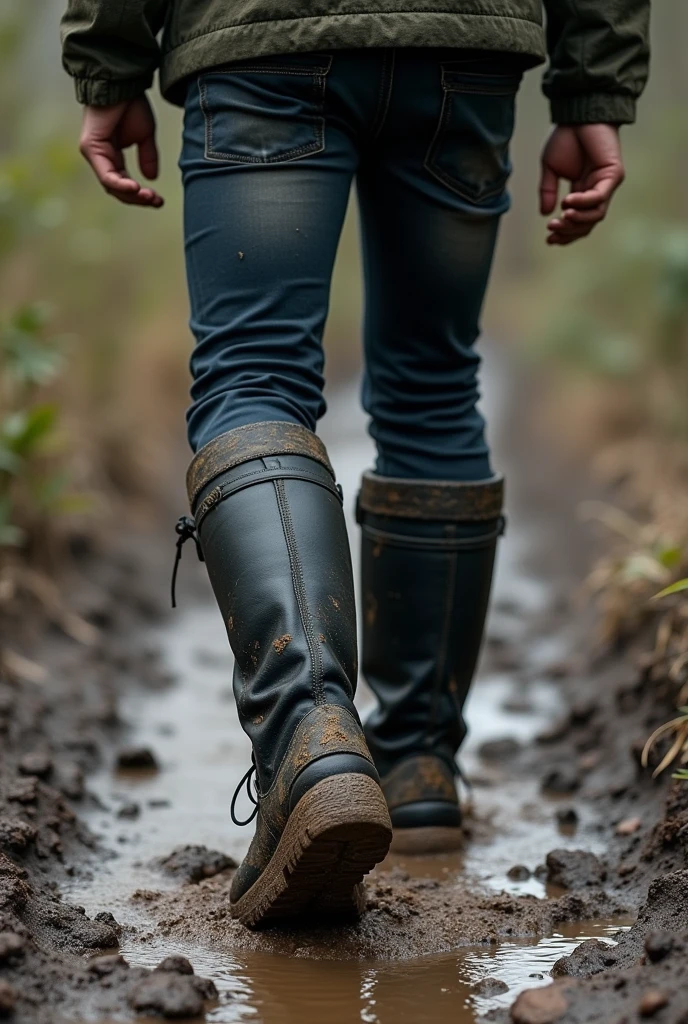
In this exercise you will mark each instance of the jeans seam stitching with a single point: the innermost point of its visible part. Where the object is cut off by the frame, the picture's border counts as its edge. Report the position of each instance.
(317, 120)
(440, 175)
(299, 585)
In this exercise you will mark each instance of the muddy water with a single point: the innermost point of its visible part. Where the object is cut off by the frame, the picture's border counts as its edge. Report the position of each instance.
(202, 752)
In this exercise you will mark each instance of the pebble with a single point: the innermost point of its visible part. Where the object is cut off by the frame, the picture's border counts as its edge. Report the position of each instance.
(564, 779)
(11, 945)
(567, 816)
(628, 826)
(176, 965)
(129, 811)
(539, 1006)
(658, 945)
(104, 965)
(488, 987)
(500, 749)
(518, 873)
(171, 995)
(36, 763)
(8, 999)
(652, 1002)
(136, 757)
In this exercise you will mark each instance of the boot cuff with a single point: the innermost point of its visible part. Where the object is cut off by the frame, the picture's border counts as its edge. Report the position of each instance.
(253, 441)
(442, 500)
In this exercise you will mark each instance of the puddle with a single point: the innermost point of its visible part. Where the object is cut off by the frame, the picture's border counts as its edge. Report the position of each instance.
(192, 729)
(271, 989)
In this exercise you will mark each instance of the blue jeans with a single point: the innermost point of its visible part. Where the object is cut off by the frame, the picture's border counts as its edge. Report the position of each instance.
(271, 148)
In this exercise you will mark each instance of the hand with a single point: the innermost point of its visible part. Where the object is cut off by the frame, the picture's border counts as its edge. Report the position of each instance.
(589, 156)
(106, 133)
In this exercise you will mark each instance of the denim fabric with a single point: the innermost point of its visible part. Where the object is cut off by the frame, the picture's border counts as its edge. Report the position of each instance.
(271, 148)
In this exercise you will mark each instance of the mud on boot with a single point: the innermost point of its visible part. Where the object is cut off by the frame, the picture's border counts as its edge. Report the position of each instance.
(322, 825)
(427, 557)
(269, 525)
(423, 805)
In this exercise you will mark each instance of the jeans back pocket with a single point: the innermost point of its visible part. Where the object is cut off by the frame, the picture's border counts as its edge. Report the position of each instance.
(470, 150)
(265, 111)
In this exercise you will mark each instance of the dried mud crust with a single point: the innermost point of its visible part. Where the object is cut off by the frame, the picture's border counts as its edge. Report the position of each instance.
(53, 733)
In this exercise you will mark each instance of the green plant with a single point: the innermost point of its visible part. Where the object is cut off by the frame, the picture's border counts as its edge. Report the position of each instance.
(34, 483)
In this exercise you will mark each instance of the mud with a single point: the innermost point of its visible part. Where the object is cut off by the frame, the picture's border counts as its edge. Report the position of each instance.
(117, 770)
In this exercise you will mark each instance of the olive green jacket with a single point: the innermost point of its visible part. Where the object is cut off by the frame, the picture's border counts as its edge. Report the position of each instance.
(598, 49)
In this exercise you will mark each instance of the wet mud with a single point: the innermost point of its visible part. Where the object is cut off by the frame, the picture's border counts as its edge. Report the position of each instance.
(117, 771)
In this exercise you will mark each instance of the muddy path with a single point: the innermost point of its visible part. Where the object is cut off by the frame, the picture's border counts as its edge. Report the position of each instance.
(564, 836)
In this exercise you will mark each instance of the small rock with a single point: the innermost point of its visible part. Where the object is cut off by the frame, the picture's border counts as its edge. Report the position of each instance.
(105, 917)
(628, 826)
(205, 988)
(499, 750)
(171, 995)
(539, 1006)
(194, 863)
(129, 811)
(658, 945)
(159, 803)
(70, 780)
(11, 945)
(16, 834)
(24, 791)
(540, 873)
(137, 757)
(36, 763)
(573, 869)
(518, 873)
(652, 1002)
(563, 779)
(553, 733)
(104, 965)
(176, 965)
(591, 957)
(583, 710)
(488, 987)
(567, 816)
(8, 999)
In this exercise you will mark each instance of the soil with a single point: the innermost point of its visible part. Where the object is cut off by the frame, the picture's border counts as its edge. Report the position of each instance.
(563, 826)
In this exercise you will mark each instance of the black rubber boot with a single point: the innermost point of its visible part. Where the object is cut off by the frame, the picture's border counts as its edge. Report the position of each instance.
(269, 520)
(428, 551)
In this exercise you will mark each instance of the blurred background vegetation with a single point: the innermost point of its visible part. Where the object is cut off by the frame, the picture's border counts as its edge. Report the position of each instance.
(93, 317)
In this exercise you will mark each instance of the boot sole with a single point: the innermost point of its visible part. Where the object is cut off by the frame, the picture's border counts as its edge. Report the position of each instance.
(339, 830)
(432, 839)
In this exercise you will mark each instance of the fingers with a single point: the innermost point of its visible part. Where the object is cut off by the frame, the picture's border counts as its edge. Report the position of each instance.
(600, 193)
(108, 165)
(549, 190)
(148, 158)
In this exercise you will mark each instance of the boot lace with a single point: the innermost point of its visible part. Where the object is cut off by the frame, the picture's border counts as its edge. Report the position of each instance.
(185, 530)
(250, 783)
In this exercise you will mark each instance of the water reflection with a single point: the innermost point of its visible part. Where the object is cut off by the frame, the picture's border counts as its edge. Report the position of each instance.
(273, 989)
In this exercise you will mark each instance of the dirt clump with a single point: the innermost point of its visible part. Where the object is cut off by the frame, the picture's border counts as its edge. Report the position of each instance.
(194, 863)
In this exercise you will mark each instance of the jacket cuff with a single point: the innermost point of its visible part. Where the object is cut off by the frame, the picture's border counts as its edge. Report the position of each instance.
(593, 108)
(105, 92)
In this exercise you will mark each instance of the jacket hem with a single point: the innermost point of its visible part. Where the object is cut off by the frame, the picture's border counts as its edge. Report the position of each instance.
(593, 108)
(347, 31)
(106, 92)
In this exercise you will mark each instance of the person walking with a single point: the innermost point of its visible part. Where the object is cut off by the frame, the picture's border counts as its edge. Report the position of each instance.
(285, 105)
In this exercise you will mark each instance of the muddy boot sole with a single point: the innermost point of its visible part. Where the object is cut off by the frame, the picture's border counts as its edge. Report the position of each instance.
(339, 830)
(435, 839)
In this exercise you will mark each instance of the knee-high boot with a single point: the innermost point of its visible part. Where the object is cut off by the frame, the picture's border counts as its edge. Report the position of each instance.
(428, 550)
(269, 521)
